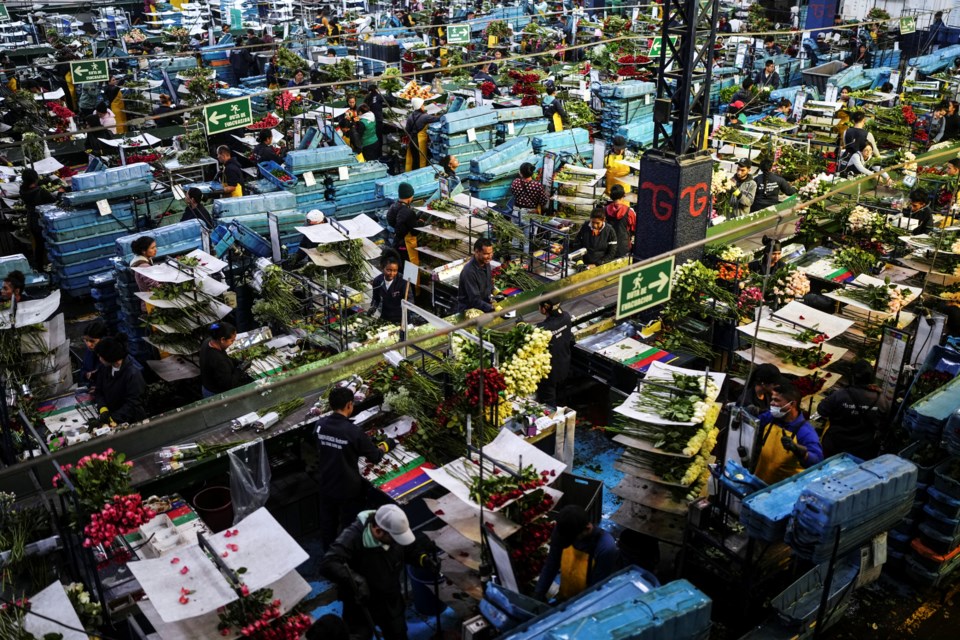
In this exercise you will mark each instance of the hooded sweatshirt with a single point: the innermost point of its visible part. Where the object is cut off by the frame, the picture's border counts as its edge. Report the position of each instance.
(623, 219)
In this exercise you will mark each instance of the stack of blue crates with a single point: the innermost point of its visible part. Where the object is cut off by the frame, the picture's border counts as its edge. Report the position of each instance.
(423, 181)
(80, 241)
(103, 290)
(174, 239)
(624, 606)
(900, 536)
(448, 136)
(940, 527)
(951, 434)
(299, 161)
(569, 142)
(856, 504)
(252, 211)
(628, 104)
(765, 513)
(936, 61)
(116, 182)
(927, 417)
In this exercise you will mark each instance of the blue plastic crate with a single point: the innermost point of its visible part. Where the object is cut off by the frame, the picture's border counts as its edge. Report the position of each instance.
(947, 506)
(266, 169)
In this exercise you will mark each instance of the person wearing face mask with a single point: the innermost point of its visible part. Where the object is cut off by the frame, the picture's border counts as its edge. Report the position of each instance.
(598, 238)
(119, 384)
(218, 371)
(789, 443)
(389, 290)
(856, 415)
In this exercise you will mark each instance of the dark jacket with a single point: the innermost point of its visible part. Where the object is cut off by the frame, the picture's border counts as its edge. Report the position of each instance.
(951, 127)
(417, 121)
(558, 324)
(475, 288)
(218, 371)
(121, 392)
(856, 417)
(404, 220)
(599, 545)
(264, 153)
(340, 444)
(199, 213)
(764, 80)
(166, 121)
(601, 248)
(242, 62)
(924, 216)
(33, 198)
(854, 138)
(232, 172)
(387, 297)
(619, 217)
(769, 187)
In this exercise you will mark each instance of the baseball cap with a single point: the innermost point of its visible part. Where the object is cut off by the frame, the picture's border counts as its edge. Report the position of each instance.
(315, 217)
(744, 162)
(393, 520)
(416, 103)
(619, 142)
(737, 105)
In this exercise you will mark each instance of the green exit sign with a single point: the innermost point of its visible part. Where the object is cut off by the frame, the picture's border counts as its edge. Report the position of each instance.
(85, 71)
(657, 45)
(4, 14)
(458, 34)
(908, 25)
(646, 287)
(228, 115)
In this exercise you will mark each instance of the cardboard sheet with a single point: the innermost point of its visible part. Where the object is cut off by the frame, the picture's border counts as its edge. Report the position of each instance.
(765, 356)
(32, 311)
(53, 602)
(363, 226)
(208, 263)
(455, 545)
(322, 233)
(465, 518)
(174, 368)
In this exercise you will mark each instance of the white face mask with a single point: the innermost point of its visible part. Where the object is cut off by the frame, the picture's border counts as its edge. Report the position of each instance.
(778, 412)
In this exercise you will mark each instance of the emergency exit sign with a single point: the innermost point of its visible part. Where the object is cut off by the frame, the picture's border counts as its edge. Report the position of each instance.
(648, 286)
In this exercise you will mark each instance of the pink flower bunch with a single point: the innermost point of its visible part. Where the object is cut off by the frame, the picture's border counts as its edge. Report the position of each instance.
(290, 628)
(106, 456)
(120, 517)
(285, 99)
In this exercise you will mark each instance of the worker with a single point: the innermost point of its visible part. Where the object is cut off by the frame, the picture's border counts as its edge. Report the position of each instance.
(768, 79)
(160, 117)
(93, 333)
(598, 238)
(376, 102)
(756, 393)
(771, 48)
(856, 415)
(405, 220)
(416, 130)
(622, 219)
(113, 97)
(340, 444)
(789, 442)
(264, 152)
(784, 111)
(581, 552)
(231, 175)
(107, 118)
(218, 371)
(745, 93)
(33, 196)
(299, 79)
(195, 210)
(744, 189)
(529, 196)
(366, 563)
(769, 187)
(919, 209)
(144, 251)
(366, 128)
(475, 287)
(14, 284)
(95, 136)
(119, 384)
(614, 164)
(389, 289)
(557, 322)
(553, 109)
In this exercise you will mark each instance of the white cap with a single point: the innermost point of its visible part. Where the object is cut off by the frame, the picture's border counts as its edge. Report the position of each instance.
(393, 520)
(315, 217)
(416, 103)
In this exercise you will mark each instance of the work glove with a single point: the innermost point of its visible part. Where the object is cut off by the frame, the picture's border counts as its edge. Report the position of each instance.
(105, 416)
(736, 193)
(430, 562)
(788, 443)
(361, 590)
(387, 444)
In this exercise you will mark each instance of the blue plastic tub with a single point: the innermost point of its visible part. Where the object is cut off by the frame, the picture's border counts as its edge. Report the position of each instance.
(266, 169)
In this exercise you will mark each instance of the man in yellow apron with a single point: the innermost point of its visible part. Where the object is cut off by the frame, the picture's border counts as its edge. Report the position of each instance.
(581, 552)
(789, 443)
(613, 163)
(416, 129)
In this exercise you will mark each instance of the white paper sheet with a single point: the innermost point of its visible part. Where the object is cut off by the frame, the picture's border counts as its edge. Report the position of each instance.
(765, 356)
(136, 142)
(776, 331)
(810, 318)
(47, 166)
(208, 263)
(661, 371)
(163, 273)
(32, 311)
(53, 602)
(321, 233)
(363, 226)
(258, 533)
(909, 296)
(162, 581)
(507, 448)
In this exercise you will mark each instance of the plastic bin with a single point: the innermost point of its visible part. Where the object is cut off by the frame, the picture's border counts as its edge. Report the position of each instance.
(939, 523)
(583, 492)
(818, 76)
(267, 170)
(944, 504)
(943, 482)
(925, 472)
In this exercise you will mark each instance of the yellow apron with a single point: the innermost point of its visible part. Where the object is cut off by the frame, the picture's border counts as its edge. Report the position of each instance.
(615, 170)
(237, 193)
(557, 122)
(119, 113)
(574, 566)
(73, 92)
(776, 463)
(422, 141)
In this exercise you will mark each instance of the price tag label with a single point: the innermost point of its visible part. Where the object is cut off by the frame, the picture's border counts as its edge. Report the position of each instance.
(510, 130)
(104, 207)
(309, 180)
(471, 135)
(344, 173)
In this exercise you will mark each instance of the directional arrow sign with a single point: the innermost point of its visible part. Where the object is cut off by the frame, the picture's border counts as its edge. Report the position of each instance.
(86, 71)
(908, 25)
(646, 287)
(657, 45)
(4, 14)
(458, 34)
(227, 115)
